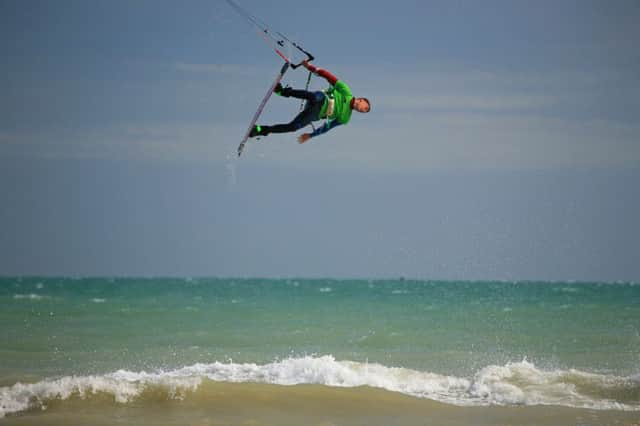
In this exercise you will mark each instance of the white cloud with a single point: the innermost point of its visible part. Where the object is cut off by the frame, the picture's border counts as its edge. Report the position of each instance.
(210, 68)
(417, 141)
(459, 141)
(476, 141)
(173, 142)
(466, 102)
(421, 120)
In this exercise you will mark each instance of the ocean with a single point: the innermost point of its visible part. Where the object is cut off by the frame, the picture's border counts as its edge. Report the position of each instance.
(318, 352)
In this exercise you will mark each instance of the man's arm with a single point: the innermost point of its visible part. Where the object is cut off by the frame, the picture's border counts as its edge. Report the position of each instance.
(332, 79)
(319, 131)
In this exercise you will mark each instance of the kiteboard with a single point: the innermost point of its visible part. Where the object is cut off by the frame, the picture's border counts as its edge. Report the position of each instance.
(254, 120)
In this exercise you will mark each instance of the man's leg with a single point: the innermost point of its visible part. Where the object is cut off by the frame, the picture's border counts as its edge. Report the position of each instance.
(302, 119)
(306, 116)
(290, 92)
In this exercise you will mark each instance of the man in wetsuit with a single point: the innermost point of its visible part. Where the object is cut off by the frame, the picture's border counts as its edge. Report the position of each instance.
(333, 105)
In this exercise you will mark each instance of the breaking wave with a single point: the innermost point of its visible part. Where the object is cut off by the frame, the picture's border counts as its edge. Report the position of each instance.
(518, 383)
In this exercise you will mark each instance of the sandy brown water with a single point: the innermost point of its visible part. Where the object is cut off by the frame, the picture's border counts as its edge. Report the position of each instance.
(261, 404)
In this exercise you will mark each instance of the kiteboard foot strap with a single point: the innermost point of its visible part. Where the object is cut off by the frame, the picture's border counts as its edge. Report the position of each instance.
(259, 131)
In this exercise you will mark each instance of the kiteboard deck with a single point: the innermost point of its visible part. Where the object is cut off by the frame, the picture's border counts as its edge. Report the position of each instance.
(254, 120)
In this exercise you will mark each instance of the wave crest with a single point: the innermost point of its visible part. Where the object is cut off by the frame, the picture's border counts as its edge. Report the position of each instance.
(512, 384)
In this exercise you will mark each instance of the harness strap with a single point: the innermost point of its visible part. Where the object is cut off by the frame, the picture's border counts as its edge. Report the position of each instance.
(307, 89)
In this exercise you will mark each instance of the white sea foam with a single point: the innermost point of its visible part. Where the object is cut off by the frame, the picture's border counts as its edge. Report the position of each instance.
(512, 384)
(31, 296)
(98, 300)
(123, 385)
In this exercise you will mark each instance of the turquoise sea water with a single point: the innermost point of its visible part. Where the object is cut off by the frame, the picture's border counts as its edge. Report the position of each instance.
(465, 343)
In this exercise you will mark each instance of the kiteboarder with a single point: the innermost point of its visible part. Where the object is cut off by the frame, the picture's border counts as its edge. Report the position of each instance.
(333, 105)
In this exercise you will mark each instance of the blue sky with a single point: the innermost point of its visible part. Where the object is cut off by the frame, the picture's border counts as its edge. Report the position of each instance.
(503, 142)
